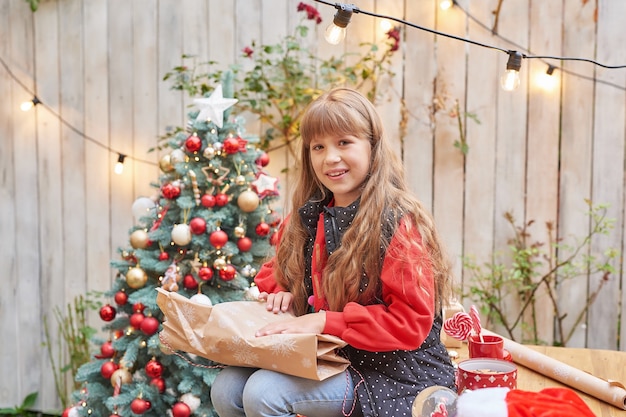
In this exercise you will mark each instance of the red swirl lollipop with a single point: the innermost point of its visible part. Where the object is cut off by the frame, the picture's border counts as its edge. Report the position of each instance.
(458, 326)
(476, 321)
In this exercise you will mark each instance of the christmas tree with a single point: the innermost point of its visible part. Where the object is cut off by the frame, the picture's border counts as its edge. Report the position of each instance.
(204, 236)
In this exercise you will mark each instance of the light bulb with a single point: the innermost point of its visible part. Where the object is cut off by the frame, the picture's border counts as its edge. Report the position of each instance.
(336, 31)
(27, 105)
(547, 80)
(119, 166)
(445, 4)
(334, 34)
(385, 25)
(510, 79)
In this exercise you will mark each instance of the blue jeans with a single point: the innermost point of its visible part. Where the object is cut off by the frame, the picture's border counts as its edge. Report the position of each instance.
(251, 392)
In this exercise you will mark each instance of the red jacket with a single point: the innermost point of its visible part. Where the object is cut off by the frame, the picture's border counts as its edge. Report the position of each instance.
(405, 318)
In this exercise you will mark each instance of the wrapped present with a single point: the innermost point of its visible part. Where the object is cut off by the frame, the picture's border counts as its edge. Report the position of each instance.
(225, 333)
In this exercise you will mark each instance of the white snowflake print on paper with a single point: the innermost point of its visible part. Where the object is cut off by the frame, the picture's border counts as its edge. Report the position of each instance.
(562, 372)
(189, 312)
(306, 363)
(242, 352)
(283, 345)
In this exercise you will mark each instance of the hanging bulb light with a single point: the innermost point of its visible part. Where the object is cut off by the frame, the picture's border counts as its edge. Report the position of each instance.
(547, 80)
(119, 166)
(445, 4)
(336, 31)
(27, 105)
(510, 79)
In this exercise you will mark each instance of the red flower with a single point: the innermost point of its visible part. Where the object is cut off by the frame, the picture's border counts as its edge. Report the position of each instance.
(311, 12)
(247, 51)
(394, 35)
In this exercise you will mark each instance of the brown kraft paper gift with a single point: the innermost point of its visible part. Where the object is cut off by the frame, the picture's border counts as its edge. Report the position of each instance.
(224, 333)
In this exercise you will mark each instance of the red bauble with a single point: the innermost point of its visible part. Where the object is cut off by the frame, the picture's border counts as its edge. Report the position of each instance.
(118, 334)
(274, 239)
(121, 298)
(140, 406)
(149, 325)
(106, 350)
(262, 229)
(228, 272)
(159, 383)
(138, 307)
(197, 225)
(190, 282)
(154, 369)
(231, 146)
(107, 369)
(66, 412)
(244, 244)
(274, 220)
(164, 256)
(218, 238)
(107, 312)
(170, 191)
(263, 159)
(181, 410)
(136, 319)
(205, 273)
(207, 200)
(221, 199)
(193, 143)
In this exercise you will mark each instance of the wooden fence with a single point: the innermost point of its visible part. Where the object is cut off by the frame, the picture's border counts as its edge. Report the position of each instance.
(97, 66)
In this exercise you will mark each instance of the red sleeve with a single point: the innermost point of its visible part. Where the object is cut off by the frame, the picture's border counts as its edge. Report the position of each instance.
(264, 279)
(406, 319)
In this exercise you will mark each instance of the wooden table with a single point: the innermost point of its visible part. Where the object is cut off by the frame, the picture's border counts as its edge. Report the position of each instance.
(605, 364)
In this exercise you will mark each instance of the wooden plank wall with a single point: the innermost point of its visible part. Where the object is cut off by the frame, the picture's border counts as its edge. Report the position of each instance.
(98, 65)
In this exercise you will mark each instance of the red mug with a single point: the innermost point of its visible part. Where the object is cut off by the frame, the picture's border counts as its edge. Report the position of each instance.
(489, 347)
(474, 374)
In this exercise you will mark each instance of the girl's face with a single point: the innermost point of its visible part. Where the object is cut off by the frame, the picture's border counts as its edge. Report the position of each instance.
(342, 164)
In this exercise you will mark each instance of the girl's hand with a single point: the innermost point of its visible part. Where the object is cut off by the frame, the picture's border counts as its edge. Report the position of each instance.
(277, 302)
(308, 323)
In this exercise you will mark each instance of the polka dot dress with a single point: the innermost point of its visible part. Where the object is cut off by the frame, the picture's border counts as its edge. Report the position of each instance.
(390, 381)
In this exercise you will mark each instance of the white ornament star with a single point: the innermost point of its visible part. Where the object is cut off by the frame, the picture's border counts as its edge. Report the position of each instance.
(212, 108)
(265, 185)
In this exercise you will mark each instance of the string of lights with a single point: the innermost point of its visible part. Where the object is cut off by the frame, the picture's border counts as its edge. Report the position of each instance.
(510, 80)
(335, 33)
(35, 101)
(551, 67)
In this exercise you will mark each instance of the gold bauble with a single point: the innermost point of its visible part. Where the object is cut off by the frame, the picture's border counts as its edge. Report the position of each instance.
(136, 278)
(239, 231)
(166, 163)
(248, 201)
(121, 376)
(219, 263)
(139, 239)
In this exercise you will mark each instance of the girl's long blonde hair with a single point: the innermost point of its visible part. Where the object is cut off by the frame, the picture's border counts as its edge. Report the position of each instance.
(384, 192)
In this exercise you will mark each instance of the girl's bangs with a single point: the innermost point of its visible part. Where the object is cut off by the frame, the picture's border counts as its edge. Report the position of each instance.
(330, 119)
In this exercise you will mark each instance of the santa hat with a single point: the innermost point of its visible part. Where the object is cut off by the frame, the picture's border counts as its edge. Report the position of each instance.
(502, 402)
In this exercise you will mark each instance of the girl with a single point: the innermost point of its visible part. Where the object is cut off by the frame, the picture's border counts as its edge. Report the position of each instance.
(361, 260)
